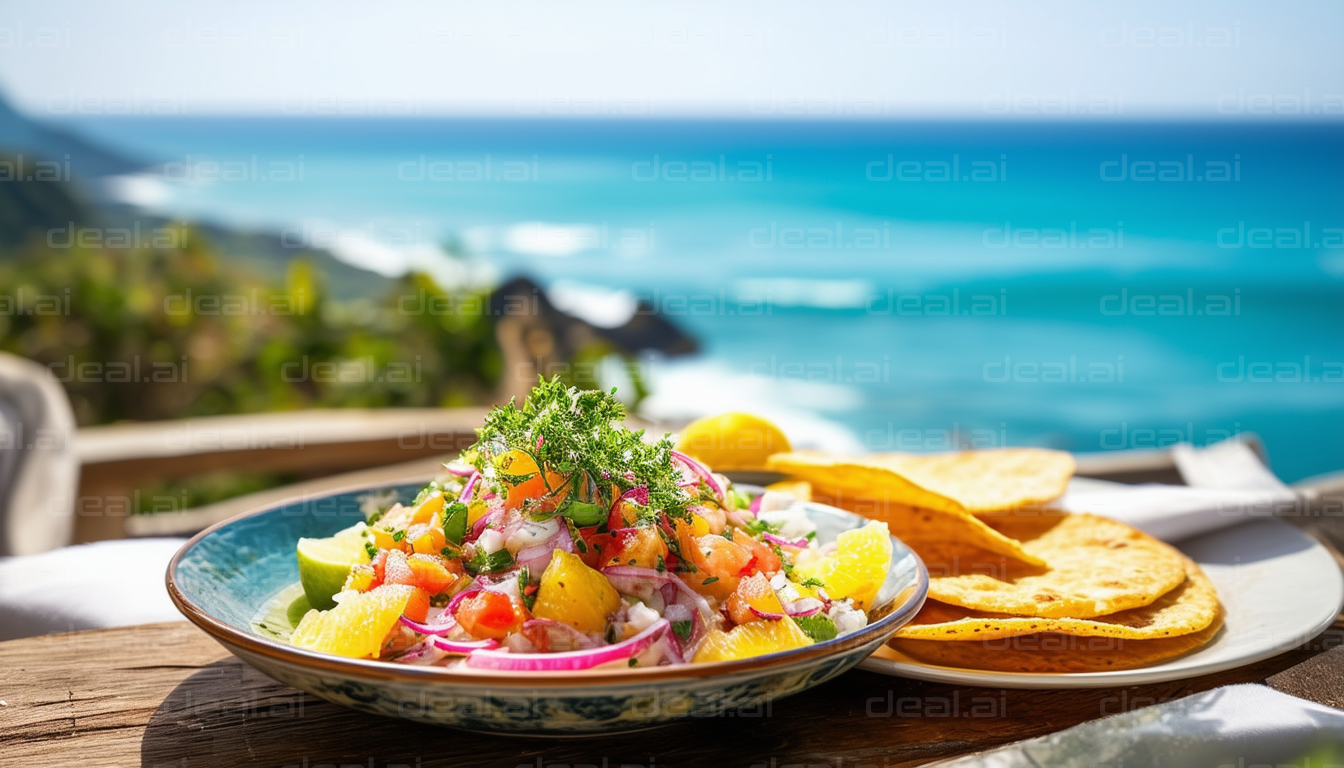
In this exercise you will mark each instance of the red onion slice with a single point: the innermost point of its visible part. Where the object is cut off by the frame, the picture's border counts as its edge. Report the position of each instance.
(639, 494)
(431, 629)
(807, 606)
(451, 610)
(459, 469)
(800, 543)
(556, 636)
(568, 661)
(465, 496)
(466, 647)
(537, 558)
(755, 506)
(770, 615)
(643, 582)
(483, 523)
(720, 493)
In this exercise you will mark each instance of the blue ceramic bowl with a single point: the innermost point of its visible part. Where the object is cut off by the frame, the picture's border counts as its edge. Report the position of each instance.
(224, 577)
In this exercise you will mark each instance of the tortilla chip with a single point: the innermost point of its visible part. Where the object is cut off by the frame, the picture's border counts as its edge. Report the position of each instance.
(910, 524)
(1095, 567)
(1053, 653)
(799, 489)
(1184, 610)
(963, 481)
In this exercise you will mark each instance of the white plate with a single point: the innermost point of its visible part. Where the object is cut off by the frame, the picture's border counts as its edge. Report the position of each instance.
(1280, 588)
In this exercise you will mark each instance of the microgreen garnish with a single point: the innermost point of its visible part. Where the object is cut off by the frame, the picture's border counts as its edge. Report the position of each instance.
(569, 431)
(682, 629)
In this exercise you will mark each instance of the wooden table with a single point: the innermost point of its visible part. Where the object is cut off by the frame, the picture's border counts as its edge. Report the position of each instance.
(166, 695)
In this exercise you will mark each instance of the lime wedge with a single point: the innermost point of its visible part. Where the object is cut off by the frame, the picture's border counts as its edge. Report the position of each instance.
(324, 564)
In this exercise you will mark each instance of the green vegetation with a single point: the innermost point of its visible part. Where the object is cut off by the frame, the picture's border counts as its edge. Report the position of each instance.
(141, 319)
(166, 330)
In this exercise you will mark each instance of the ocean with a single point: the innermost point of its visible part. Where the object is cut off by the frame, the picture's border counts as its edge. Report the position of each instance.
(871, 285)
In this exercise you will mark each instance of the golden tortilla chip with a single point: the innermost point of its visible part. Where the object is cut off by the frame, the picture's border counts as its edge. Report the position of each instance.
(1095, 567)
(910, 524)
(799, 489)
(963, 481)
(1051, 653)
(1184, 610)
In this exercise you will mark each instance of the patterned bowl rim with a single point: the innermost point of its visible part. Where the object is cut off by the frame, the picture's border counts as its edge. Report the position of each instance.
(905, 605)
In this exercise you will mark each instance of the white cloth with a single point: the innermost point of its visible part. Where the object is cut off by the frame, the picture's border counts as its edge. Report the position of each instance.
(1237, 726)
(1227, 485)
(107, 584)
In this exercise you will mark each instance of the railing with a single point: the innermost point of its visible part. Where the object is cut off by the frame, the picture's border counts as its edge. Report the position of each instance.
(334, 449)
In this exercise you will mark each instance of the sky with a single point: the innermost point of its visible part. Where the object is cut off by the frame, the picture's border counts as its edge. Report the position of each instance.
(964, 60)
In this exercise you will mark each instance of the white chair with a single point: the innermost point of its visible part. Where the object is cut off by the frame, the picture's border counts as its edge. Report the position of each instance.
(46, 586)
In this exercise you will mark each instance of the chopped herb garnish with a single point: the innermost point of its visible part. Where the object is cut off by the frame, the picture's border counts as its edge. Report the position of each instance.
(569, 431)
(728, 532)
(710, 580)
(682, 629)
(634, 662)
(372, 550)
(662, 566)
(813, 581)
(493, 562)
(819, 627)
(757, 526)
(398, 535)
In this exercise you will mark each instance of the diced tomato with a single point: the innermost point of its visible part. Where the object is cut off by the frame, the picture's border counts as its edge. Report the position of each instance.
(489, 614)
(397, 571)
(431, 572)
(718, 562)
(417, 608)
(594, 544)
(623, 515)
(641, 547)
(763, 557)
(379, 565)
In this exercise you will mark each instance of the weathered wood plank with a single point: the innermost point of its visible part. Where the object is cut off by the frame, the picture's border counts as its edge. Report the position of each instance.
(167, 695)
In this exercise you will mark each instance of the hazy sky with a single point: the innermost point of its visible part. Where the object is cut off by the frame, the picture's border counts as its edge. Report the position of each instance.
(962, 59)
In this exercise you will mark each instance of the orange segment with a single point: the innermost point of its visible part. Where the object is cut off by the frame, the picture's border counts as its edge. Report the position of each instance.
(358, 624)
(858, 567)
(575, 594)
(754, 639)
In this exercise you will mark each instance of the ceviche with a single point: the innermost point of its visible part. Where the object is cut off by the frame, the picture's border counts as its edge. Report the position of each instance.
(563, 541)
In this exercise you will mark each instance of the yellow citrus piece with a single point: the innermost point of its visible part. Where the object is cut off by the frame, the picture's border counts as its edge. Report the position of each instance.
(754, 639)
(733, 441)
(858, 567)
(573, 593)
(358, 624)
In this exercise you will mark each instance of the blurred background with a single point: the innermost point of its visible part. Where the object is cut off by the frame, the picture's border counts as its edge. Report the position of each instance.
(913, 226)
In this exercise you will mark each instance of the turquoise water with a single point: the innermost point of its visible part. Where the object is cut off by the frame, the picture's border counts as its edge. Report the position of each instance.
(882, 286)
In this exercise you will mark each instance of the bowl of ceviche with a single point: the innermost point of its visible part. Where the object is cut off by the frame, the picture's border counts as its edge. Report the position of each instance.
(564, 575)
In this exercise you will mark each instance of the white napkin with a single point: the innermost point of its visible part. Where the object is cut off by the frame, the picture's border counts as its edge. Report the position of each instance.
(1228, 484)
(1240, 725)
